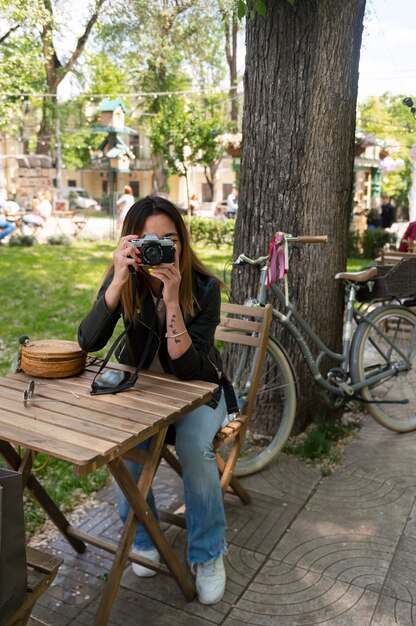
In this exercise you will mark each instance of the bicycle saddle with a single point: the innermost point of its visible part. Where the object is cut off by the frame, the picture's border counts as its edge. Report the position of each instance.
(358, 277)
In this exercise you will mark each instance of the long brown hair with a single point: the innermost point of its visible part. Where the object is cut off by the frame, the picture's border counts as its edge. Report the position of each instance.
(189, 263)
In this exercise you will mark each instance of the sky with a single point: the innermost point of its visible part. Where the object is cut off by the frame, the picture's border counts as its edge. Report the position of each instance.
(388, 52)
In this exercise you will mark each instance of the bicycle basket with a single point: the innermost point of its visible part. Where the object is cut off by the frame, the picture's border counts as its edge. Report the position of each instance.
(398, 281)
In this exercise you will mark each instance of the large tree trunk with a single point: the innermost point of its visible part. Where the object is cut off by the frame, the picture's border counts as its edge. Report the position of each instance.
(297, 161)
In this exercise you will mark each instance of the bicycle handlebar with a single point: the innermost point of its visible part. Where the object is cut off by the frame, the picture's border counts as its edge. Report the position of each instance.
(243, 258)
(311, 239)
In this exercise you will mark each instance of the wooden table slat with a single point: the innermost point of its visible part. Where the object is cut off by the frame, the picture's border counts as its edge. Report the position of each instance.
(150, 397)
(48, 431)
(113, 405)
(75, 418)
(133, 404)
(53, 447)
(149, 381)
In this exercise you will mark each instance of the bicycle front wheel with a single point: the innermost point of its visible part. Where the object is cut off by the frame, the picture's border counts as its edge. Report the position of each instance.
(274, 410)
(388, 343)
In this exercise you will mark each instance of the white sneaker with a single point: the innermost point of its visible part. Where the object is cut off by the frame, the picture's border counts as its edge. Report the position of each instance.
(141, 570)
(210, 581)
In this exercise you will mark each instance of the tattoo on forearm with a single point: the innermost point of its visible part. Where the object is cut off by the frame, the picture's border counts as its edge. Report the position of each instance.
(173, 329)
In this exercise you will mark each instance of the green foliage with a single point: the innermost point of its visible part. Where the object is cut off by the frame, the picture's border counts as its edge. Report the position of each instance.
(104, 75)
(354, 244)
(212, 231)
(258, 6)
(21, 71)
(77, 139)
(369, 244)
(23, 240)
(59, 240)
(185, 133)
(388, 119)
(374, 240)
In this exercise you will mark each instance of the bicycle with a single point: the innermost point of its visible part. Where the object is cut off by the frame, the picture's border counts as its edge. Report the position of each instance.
(375, 367)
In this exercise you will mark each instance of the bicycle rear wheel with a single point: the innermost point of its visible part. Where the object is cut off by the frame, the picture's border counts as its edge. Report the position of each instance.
(389, 343)
(274, 411)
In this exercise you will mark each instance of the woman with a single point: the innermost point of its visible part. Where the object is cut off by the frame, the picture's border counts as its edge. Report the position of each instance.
(42, 209)
(183, 345)
(124, 204)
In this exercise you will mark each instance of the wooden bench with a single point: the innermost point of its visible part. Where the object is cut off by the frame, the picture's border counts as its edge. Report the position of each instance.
(41, 571)
(392, 257)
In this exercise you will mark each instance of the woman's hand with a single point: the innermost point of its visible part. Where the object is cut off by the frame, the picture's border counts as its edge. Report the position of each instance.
(123, 257)
(170, 276)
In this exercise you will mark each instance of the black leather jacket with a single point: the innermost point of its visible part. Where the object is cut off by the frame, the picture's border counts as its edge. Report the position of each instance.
(201, 361)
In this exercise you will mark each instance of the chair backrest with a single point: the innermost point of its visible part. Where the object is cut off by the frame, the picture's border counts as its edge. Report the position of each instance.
(249, 326)
(391, 257)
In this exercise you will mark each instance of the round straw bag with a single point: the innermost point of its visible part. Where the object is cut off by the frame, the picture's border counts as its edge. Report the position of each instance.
(52, 358)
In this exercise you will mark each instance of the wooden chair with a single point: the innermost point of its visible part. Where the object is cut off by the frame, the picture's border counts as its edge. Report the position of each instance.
(61, 212)
(41, 571)
(242, 325)
(80, 220)
(392, 257)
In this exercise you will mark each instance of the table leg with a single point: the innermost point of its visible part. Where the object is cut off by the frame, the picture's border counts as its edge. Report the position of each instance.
(46, 502)
(140, 511)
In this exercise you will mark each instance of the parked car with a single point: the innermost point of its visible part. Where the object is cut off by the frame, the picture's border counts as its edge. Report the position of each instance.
(78, 198)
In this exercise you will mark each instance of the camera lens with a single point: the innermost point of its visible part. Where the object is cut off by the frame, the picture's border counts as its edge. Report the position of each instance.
(152, 253)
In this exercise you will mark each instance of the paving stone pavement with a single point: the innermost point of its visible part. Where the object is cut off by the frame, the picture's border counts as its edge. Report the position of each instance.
(337, 550)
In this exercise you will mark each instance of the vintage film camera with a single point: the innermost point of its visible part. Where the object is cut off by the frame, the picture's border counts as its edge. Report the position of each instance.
(154, 251)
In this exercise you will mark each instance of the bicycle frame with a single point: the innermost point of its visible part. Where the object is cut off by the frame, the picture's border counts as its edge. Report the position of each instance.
(338, 388)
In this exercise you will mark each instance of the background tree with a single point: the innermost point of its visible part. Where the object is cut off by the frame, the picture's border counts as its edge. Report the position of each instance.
(228, 11)
(79, 116)
(388, 119)
(190, 140)
(56, 69)
(169, 46)
(21, 68)
(301, 84)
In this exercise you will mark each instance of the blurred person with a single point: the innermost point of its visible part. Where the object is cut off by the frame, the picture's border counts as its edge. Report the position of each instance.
(6, 227)
(194, 204)
(41, 209)
(232, 203)
(409, 236)
(388, 211)
(219, 213)
(124, 203)
(373, 219)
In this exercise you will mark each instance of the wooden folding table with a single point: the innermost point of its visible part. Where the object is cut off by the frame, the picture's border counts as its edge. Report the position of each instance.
(64, 421)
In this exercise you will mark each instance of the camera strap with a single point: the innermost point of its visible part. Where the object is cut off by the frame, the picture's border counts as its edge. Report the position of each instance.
(129, 378)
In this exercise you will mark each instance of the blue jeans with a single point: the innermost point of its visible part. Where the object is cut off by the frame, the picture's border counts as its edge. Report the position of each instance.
(6, 228)
(205, 516)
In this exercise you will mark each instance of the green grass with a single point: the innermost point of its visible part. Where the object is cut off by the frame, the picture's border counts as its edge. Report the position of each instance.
(354, 265)
(45, 291)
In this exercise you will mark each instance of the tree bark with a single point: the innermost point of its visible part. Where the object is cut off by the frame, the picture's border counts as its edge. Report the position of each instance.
(301, 84)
